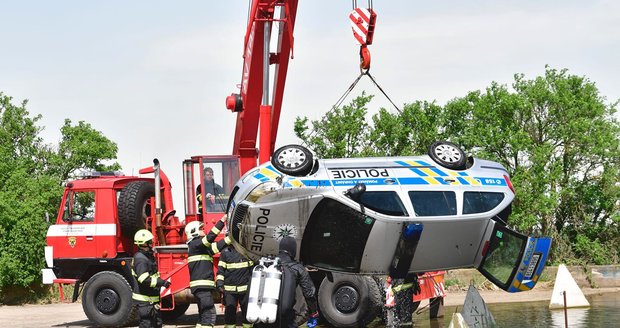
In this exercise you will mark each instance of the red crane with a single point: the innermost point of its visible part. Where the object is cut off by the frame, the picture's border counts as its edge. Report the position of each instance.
(255, 106)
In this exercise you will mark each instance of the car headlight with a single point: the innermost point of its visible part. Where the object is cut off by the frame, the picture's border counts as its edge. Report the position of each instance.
(262, 190)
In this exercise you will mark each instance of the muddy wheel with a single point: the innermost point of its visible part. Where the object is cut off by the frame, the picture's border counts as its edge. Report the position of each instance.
(293, 160)
(106, 300)
(179, 310)
(447, 155)
(349, 300)
(134, 206)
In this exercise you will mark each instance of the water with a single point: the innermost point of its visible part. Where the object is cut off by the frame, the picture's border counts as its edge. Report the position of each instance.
(604, 311)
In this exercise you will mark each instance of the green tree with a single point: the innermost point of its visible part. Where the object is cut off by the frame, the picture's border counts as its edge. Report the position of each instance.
(22, 196)
(409, 132)
(342, 132)
(560, 142)
(82, 148)
(31, 173)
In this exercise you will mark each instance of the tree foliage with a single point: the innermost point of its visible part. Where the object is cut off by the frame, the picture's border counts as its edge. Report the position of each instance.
(32, 174)
(555, 134)
(82, 148)
(342, 132)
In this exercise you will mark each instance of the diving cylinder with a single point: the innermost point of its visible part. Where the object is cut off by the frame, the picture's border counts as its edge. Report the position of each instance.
(271, 293)
(254, 303)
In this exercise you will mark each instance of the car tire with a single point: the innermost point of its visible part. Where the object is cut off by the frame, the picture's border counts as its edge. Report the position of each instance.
(106, 300)
(293, 160)
(134, 206)
(179, 309)
(447, 155)
(349, 300)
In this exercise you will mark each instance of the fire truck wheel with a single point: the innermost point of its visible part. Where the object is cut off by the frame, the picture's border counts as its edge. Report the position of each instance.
(447, 155)
(106, 300)
(293, 160)
(349, 300)
(134, 206)
(179, 309)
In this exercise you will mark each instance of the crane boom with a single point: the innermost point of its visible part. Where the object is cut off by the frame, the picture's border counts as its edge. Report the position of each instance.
(255, 106)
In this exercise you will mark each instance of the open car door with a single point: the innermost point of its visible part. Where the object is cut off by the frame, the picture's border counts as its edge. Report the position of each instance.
(512, 261)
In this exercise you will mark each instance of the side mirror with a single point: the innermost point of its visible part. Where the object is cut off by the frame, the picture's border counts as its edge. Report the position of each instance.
(356, 191)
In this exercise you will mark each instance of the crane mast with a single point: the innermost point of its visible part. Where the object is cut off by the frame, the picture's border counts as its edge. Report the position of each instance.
(258, 110)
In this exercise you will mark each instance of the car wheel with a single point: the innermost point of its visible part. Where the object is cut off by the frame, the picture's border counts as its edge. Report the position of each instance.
(134, 206)
(179, 309)
(293, 160)
(106, 300)
(447, 155)
(349, 300)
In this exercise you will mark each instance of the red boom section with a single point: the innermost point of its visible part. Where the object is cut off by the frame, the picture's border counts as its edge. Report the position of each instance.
(255, 59)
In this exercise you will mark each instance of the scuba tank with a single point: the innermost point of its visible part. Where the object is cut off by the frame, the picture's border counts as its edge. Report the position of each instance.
(254, 299)
(271, 292)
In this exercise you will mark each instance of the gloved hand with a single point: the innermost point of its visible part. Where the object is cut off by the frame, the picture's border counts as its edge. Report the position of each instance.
(313, 320)
(220, 289)
(166, 284)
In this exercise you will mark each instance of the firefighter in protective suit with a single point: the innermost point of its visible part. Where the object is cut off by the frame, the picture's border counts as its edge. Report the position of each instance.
(201, 249)
(233, 276)
(294, 274)
(146, 283)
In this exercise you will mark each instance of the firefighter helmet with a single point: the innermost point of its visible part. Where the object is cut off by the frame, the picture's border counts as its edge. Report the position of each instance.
(142, 237)
(192, 229)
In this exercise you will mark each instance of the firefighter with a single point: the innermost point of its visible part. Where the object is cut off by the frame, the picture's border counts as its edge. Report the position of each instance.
(211, 190)
(233, 276)
(201, 249)
(146, 282)
(294, 274)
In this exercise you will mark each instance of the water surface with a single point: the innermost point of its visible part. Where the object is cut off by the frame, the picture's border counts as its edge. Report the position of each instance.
(604, 311)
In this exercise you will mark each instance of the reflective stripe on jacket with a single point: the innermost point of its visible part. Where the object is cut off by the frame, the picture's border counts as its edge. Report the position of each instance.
(200, 259)
(234, 271)
(146, 281)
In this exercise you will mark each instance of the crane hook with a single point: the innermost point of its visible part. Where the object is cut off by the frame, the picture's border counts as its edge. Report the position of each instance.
(363, 25)
(364, 59)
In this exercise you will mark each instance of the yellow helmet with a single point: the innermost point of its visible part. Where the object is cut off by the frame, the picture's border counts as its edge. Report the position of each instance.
(193, 229)
(142, 237)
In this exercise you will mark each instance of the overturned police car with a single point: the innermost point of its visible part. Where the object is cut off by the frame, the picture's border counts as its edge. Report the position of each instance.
(387, 215)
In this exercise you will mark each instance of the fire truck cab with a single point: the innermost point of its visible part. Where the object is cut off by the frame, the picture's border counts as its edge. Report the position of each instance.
(91, 244)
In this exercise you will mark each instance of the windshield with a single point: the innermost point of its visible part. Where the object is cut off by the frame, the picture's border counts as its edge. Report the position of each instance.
(503, 256)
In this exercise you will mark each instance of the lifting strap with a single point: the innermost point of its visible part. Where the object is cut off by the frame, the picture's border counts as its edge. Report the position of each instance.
(352, 86)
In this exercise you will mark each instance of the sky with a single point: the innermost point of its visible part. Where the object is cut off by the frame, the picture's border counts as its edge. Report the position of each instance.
(153, 76)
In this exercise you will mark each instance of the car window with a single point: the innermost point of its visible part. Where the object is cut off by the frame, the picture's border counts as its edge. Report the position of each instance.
(335, 237)
(503, 257)
(433, 203)
(479, 202)
(386, 202)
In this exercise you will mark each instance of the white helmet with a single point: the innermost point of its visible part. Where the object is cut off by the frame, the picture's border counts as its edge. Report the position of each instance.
(142, 237)
(192, 229)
